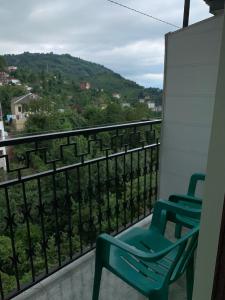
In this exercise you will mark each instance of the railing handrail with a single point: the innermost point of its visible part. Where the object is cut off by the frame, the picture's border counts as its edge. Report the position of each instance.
(69, 133)
(11, 182)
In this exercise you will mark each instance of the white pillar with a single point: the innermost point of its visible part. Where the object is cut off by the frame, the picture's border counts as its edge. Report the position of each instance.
(214, 192)
(2, 137)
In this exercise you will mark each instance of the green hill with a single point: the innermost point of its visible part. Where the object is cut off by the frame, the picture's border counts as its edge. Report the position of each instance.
(77, 70)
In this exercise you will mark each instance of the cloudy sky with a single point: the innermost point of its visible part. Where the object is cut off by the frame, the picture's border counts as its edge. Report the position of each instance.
(96, 30)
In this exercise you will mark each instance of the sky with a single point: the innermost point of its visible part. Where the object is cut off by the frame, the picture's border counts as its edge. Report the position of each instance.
(97, 30)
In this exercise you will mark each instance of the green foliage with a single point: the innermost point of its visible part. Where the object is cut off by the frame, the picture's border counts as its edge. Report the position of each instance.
(7, 92)
(36, 67)
(63, 106)
(56, 79)
(3, 63)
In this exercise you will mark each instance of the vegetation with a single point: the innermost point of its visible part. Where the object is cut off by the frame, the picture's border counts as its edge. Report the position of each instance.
(2, 63)
(72, 71)
(104, 196)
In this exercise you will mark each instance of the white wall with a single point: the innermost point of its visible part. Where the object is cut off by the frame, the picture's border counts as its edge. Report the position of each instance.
(191, 65)
(214, 193)
(2, 149)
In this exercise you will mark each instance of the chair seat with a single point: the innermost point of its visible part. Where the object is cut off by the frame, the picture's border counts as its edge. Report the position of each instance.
(188, 222)
(147, 277)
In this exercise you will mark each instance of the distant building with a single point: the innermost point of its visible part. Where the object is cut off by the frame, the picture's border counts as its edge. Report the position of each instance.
(28, 88)
(141, 100)
(14, 81)
(12, 69)
(125, 104)
(19, 110)
(85, 85)
(158, 108)
(103, 106)
(151, 105)
(141, 97)
(4, 78)
(116, 95)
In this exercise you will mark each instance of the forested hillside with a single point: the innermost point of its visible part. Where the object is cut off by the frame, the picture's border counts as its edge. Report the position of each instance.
(63, 104)
(75, 69)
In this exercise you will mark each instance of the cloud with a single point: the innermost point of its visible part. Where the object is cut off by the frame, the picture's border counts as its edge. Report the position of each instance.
(96, 30)
(149, 79)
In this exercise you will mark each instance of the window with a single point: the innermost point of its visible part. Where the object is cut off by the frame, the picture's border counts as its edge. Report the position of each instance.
(19, 108)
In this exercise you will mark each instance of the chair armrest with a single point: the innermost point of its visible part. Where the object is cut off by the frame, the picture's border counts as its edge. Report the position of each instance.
(173, 207)
(105, 240)
(186, 198)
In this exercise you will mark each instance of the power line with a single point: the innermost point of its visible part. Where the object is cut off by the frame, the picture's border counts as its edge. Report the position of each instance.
(143, 13)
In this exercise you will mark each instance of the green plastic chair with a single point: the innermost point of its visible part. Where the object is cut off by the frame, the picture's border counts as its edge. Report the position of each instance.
(190, 200)
(146, 259)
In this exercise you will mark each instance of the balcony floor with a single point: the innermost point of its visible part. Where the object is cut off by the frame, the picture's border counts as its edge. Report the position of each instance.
(121, 291)
(75, 282)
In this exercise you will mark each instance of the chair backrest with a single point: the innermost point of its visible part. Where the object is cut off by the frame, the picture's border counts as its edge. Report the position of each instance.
(186, 245)
(195, 178)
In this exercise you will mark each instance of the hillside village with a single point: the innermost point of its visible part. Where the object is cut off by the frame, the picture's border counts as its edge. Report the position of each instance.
(26, 93)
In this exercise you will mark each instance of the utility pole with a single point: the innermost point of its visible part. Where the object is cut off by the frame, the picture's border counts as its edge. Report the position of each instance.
(186, 13)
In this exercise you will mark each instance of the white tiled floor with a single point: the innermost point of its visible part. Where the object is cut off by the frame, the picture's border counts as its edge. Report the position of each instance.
(75, 281)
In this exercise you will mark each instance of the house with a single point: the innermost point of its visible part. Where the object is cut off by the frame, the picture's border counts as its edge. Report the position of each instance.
(85, 85)
(19, 110)
(28, 88)
(4, 78)
(141, 100)
(103, 106)
(14, 81)
(158, 108)
(147, 98)
(11, 69)
(151, 105)
(125, 104)
(116, 95)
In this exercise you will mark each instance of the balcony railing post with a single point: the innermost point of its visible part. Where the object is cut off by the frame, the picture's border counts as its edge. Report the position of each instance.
(186, 13)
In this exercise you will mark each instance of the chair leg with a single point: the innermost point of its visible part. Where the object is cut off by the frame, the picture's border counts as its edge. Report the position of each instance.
(178, 230)
(97, 280)
(164, 295)
(190, 278)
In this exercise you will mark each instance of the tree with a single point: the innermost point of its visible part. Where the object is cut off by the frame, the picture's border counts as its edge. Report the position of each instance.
(7, 93)
(2, 63)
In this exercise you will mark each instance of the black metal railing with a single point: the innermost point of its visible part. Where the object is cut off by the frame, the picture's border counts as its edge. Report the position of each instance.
(60, 190)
